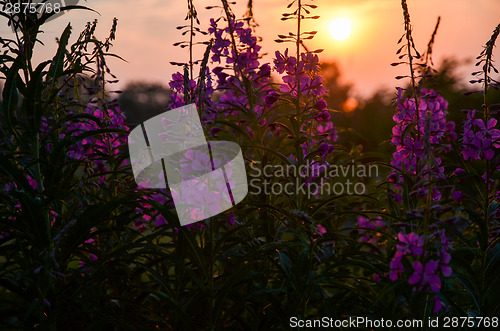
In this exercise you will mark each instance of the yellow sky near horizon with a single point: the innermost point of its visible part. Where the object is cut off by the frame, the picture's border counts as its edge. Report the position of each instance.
(146, 32)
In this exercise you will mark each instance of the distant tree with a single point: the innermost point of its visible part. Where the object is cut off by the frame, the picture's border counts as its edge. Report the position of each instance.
(372, 121)
(338, 92)
(143, 100)
(361, 122)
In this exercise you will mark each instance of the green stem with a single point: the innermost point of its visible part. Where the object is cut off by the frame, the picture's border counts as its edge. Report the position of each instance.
(191, 16)
(297, 82)
(298, 148)
(486, 199)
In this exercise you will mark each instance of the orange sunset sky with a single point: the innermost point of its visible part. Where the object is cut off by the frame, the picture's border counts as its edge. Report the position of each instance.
(146, 32)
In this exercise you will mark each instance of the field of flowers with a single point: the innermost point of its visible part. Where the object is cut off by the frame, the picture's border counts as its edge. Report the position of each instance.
(415, 235)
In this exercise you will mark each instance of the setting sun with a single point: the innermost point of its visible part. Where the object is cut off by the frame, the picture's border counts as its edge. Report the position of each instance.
(340, 28)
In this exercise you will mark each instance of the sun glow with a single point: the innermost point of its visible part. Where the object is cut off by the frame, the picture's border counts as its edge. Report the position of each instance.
(340, 28)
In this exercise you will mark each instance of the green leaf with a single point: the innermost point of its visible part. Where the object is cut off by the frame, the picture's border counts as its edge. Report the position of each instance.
(10, 97)
(57, 66)
(33, 100)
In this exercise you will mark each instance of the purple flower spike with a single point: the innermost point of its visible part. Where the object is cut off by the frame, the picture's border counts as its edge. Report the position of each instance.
(479, 139)
(323, 116)
(426, 275)
(412, 243)
(320, 104)
(419, 138)
(271, 98)
(397, 267)
(437, 305)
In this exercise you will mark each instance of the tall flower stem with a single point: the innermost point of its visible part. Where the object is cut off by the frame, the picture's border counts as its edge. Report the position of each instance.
(230, 17)
(488, 65)
(297, 46)
(409, 46)
(191, 33)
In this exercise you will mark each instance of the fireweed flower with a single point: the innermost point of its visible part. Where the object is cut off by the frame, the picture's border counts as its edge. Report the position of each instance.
(410, 244)
(323, 116)
(195, 192)
(419, 147)
(396, 266)
(479, 139)
(92, 152)
(446, 245)
(92, 148)
(368, 226)
(271, 98)
(198, 194)
(303, 75)
(327, 130)
(204, 98)
(149, 216)
(457, 196)
(321, 105)
(305, 72)
(426, 275)
(244, 59)
(426, 272)
(321, 229)
(325, 149)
